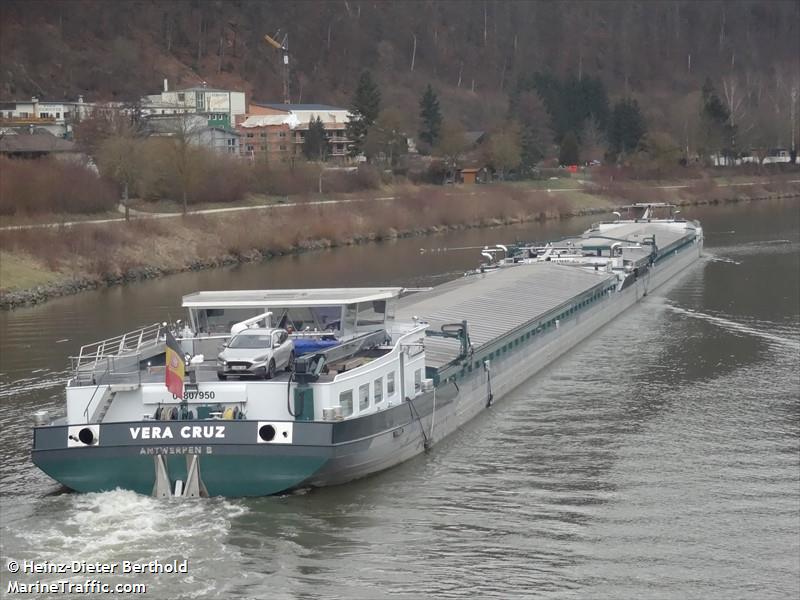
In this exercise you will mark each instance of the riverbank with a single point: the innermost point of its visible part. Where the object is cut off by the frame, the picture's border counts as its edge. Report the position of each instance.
(38, 264)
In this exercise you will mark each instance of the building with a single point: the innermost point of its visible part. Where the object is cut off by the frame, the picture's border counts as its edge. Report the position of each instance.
(54, 116)
(268, 137)
(219, 139)
(196, 130)
(469, 175)
(221, 108)
(37, 144)
(277, 131)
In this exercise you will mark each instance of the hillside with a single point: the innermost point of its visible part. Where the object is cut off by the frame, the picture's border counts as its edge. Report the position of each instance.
(474, 52)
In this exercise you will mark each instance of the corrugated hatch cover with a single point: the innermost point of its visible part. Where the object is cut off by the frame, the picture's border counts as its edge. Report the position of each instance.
(495, 303)
(633, 232)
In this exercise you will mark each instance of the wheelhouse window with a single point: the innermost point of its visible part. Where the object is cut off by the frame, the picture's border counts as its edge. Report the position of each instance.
(250, 341)
(346, 402)
(390, 384)
(363, 397)
(371, 315)
(220, 320)
(316, 318)
(349, 324)
(377, 390)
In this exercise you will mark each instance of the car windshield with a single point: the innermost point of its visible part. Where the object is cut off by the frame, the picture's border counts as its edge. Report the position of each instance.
(250, 341)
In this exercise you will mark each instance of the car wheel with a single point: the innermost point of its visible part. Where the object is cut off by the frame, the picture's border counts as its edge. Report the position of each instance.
(221, 377)
(290, 362)
(270, 370)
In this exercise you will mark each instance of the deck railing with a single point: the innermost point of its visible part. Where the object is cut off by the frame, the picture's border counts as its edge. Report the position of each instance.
(91, 356)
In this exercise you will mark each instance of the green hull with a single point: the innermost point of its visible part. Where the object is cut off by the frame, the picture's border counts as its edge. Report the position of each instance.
(230, 475)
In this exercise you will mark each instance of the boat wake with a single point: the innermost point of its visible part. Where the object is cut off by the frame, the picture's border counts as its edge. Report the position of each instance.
(738, 327)
(108, 522)
(758, 247)
(723, 259)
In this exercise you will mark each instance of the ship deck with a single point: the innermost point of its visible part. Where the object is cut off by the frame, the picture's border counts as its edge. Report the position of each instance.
(496, 303)
(666, 236)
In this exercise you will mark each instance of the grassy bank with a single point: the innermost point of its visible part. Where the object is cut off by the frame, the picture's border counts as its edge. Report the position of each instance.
(36, 264)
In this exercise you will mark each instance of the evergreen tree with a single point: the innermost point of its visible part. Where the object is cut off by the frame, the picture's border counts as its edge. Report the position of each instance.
(569, 150)
(315, 145)
(717, 134)
(431, 117)
(536, 136)
(365, 107)
(569, 103)
(626, 129)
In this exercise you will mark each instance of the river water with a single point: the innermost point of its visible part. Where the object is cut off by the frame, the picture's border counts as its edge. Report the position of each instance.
(660, 459)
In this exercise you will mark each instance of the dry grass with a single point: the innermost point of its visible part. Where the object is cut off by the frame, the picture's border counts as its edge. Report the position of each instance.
(166, 245)
(112, 250)
(20, 271)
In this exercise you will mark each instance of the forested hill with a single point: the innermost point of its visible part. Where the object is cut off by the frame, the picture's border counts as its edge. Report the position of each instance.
(473, 51)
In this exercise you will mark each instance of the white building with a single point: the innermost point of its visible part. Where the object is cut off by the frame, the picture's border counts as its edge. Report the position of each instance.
(55, 117)
(220, 107)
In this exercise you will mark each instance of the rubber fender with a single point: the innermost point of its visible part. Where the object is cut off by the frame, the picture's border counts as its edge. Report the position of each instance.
(236, 413)
(173, 414)
(227, 414)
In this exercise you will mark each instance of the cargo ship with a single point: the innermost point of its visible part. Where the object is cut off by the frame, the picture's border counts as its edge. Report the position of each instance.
(279, 390)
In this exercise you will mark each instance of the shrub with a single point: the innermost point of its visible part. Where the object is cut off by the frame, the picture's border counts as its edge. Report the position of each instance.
(217, 178)
(285, 180)
(49, 185)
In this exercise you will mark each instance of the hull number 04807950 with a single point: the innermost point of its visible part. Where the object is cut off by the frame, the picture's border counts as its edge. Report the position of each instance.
(195, 395)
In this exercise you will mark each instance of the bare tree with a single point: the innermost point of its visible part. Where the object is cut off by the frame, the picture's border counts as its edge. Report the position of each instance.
(734, 97)
(118, 154)
(184, 134)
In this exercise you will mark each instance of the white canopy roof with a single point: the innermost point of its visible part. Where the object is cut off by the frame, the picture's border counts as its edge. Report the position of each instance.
(286, 298)
(264, 120)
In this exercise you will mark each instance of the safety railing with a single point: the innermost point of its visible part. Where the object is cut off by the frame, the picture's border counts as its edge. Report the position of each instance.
(92, 355)
(110, 369)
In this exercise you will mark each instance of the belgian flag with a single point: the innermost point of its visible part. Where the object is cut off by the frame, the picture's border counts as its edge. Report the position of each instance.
(176, 369)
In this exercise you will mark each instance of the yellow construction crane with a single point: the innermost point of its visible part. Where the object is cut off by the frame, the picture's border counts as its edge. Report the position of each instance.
(283, 46)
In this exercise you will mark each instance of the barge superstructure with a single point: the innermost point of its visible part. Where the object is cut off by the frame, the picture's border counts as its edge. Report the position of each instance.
(377, 375)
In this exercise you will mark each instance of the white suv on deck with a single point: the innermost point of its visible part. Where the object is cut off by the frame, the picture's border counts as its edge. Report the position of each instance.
(258, 352)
